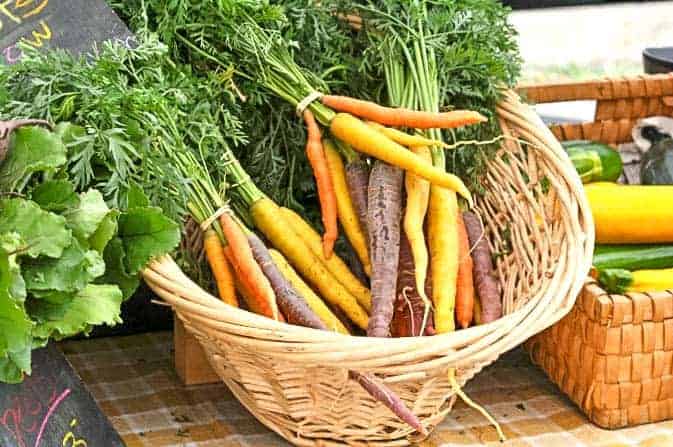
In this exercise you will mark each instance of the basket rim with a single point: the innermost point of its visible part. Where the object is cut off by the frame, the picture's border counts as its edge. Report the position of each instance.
(458, 349)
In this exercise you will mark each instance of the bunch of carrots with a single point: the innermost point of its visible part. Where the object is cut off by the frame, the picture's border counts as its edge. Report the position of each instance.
(290, 273)
(426, 266)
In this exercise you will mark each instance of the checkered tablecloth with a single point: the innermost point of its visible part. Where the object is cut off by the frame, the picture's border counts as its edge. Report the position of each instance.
(133, 380)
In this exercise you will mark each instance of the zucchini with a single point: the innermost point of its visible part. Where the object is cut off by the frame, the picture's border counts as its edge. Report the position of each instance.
(633, 257)
(594, 161)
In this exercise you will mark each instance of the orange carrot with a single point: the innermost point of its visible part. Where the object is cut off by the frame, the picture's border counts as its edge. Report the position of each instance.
(465, 285)
(323, 179)
(262, 297)
(401, 117)
(219, 266)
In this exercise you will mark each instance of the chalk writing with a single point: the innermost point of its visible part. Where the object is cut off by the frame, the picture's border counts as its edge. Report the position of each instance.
(15, 13)
(50, 411)
(70, 440)
(26, 412)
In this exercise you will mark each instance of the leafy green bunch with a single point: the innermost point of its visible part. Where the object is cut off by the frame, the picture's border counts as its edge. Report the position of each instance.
(67, 260)
(128, 103)
(475, 56)
(216, 37)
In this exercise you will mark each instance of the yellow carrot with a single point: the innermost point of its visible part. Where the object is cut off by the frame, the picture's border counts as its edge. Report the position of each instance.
(345, 209)
(219, 266)
(443, 239)
(335, 265)
(367, 140)
(270, 221)
(418, 196)
(314, 301)
(404, 138)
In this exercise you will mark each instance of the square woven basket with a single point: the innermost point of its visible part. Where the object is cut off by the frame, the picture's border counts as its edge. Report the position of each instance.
(612, 354)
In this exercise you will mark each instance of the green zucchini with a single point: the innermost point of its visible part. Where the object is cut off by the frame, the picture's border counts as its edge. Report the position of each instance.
(594, 161)
(633, 257)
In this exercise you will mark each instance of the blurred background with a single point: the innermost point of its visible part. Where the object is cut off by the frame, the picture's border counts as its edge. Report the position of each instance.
(564, 40)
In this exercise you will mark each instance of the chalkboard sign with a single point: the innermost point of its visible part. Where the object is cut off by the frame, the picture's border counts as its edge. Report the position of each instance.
(52, 408)
(74, 25)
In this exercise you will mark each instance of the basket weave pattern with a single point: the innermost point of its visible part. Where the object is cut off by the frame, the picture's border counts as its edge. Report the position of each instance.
(613, 354)
(295, 380)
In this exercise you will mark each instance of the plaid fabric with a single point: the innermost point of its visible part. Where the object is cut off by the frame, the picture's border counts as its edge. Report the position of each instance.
(133, 380)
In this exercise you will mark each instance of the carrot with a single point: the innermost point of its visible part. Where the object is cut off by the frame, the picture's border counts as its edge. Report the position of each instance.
(357, 177)
(354, 264)
(383, 215)
(219, 266)
(404, 138)
(263, 299)
(387, 397)
(367, 140)
(335, 265)
(485, 280)
(418, 197)
(268, 217)
(443, 241)
(244, 293)
(401, 117)
(345, 209)
(326, 193)
(465, 283)
(293, 306)
(476, 318)
(314, 302)
(410, 309)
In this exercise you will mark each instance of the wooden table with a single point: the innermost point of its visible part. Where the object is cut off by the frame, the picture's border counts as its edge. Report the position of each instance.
(133, 380)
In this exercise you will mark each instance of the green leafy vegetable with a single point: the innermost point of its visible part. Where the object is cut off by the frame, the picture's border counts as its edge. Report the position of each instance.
(55, 195)
(94, 305)
(122, 104)
(44, 233)
(145, 233)
(85, 219)
(33, 149)
(116, 271)
(15, 327)
(70, 272)
(105, 231)
(54, 281)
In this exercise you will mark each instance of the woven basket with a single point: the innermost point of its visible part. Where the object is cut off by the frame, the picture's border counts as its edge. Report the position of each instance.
(613, 354)
(295, 380)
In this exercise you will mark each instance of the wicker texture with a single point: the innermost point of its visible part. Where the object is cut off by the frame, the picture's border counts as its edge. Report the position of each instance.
(295, 380)
(619, 104)
(613, 354)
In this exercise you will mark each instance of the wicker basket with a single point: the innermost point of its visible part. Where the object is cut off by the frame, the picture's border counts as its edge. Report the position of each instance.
(613, 354)
(295, 380)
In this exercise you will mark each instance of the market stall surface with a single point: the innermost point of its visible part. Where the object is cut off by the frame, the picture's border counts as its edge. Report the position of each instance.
(134, 382)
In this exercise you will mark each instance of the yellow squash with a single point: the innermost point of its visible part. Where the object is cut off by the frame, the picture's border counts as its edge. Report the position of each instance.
(631, 214)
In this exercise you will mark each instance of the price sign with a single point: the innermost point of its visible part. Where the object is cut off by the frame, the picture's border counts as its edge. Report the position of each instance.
(75, 25)
(52, 408)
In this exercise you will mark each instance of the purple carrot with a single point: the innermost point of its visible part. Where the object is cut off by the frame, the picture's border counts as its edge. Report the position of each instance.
(383, 214)
(357, 178)
(485, 280)
(290, 302)
(388, 398)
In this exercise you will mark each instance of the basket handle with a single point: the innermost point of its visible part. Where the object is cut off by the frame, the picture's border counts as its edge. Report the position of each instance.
(7, 127)
(644, 86)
